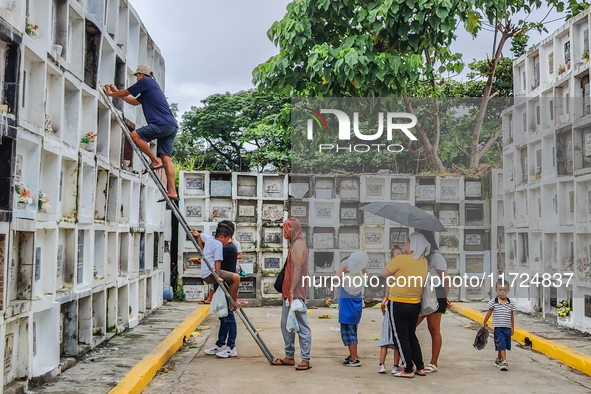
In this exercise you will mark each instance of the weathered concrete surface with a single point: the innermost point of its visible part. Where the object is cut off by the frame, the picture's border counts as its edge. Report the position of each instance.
(100, 370)
(462, 368)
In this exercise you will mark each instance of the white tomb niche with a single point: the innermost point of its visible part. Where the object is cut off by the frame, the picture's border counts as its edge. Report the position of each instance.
(103, 132)
(272, 212)
(249, 263)
(113, 203)
(373, 188)
(320, 288)
(33, 101)
(84, 323)
(194, 183)
(133, 304)
(71, 123)
(246, 186)
(46, 350)
(220, 184)
(106, 71)
(535, 207)
(566, 207)
(134, 263)
(400, 189)
(134, 216)
(112, 255)
(475, 266)
(429, 208)
(398, 237)
(91, 54)
(272, 261)
(299, 210)
(474, 214)
(149, 253)
(273, 186)
(476, 240)
(74, 52)
(194, 210)
(449, 215)
(115, 144)
(522, 207)
(349, 189)
(373, 238)
(267, 289)
(299, 187)
(122, 308)
(54, 99)
(582, 256)
(125, 253)
(550, 253)
(86, 191)
(566, 253)
(535, 251)
(272, 237)
(377, 261)
(89, 121)
(449, 189)
(49, 181)
(247, 211)
(100, 200)
(20, 270)
(473, 190)
(248, 288)
(324, 188)
(583, 142)
(449, 241)
(16, 349)
(371, 219)
(125, 201)
(100, 252)
(26, 179)
(99, 322)
(323, 238)
(84, 259)
(349, 213)
(220, 209)
(194, 289)
(453, 263)
(564, 151)
(425, 189)
(247, 236)
(349, 238)
(373, 291)
(44, 283)
(324, 262)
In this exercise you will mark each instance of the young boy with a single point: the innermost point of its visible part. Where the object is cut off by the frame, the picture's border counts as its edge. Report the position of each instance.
(351, 302)
(226, 344)
(386, 341)
(213, 251)
(501, 309)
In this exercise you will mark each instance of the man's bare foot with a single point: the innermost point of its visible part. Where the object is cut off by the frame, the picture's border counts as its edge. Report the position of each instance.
(303, 366)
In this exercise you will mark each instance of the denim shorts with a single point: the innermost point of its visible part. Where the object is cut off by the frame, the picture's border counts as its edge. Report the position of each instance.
(164, 134)
(502, 338)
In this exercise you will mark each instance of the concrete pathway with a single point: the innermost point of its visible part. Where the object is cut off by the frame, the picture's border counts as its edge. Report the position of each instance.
(101, 369)
(462, 368)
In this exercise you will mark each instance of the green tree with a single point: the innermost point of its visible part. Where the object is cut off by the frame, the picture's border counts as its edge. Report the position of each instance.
(342, 48)
(234, 132)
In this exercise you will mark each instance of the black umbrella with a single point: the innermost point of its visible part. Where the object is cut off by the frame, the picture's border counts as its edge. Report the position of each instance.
(405, 214)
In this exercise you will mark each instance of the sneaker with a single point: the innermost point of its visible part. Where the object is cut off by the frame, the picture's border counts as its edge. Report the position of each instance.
(227, 352)
(352, 363)
(348, 358)
(504, 365)
(396, 369)
(498, 362)
(381, 369)
(215, 349)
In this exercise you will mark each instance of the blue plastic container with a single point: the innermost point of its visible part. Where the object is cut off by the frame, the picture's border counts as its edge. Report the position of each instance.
(168, 293)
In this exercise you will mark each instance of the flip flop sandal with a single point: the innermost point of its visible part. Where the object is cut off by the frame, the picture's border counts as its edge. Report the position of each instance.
(280, 362)
(301, 367)
(154, 168)
(175, 199)
(400, 375)
(431, 368)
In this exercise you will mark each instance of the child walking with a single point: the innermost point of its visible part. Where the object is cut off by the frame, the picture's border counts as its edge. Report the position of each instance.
(501, 308)
(351, 302)
(386, 339)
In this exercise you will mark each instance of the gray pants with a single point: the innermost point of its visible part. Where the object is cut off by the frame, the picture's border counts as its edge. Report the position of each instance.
(305, 334)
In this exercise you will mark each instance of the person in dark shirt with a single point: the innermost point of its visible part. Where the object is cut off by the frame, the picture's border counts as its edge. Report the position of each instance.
(162, 126)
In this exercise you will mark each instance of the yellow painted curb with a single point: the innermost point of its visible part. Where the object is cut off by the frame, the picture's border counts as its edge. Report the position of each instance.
(566, 355)
(142, 374)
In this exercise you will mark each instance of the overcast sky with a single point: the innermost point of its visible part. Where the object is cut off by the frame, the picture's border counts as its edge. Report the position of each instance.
(213, 46)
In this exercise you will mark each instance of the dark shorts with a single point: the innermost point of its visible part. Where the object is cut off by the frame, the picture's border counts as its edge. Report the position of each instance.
(349, 334)
(442, 305)
(227, 276)
(502, 338)
(164, 134)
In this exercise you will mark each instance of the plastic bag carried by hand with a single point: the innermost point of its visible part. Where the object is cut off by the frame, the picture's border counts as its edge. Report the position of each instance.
(219, 304)
(292, 321)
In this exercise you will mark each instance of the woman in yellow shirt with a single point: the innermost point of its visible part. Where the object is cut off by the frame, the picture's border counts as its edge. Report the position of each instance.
(406, 275)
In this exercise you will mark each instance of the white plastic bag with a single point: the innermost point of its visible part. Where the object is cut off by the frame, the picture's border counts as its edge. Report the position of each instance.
(219, 304)
(429, 302)
(292, 321)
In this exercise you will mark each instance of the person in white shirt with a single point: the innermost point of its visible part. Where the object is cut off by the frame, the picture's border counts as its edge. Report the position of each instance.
(213, 248)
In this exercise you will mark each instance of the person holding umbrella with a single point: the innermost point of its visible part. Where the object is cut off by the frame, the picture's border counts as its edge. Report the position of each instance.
(408, 273)
(437, 267)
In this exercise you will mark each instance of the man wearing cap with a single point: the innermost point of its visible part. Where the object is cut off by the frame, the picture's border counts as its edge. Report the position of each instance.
(162, 125)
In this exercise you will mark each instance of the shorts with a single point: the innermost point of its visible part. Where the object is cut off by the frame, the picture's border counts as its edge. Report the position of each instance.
(349, 334)
(386, 337)
(227, 276)
(502, 338)
(163, 133)
(442, 305)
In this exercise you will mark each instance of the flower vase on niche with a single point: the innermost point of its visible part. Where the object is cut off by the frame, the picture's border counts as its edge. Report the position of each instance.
(87, 142)
(24, 197)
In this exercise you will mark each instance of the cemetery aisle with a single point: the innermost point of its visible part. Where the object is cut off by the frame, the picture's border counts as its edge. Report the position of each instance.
(461, 366)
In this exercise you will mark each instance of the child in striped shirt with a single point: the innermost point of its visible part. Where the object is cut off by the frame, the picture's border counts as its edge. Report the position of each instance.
(501, 309)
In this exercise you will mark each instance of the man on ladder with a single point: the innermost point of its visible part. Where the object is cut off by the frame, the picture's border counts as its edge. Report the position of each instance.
(162, 125)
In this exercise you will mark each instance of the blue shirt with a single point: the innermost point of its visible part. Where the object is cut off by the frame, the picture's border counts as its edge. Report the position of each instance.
(350, 307)
(156, 108)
